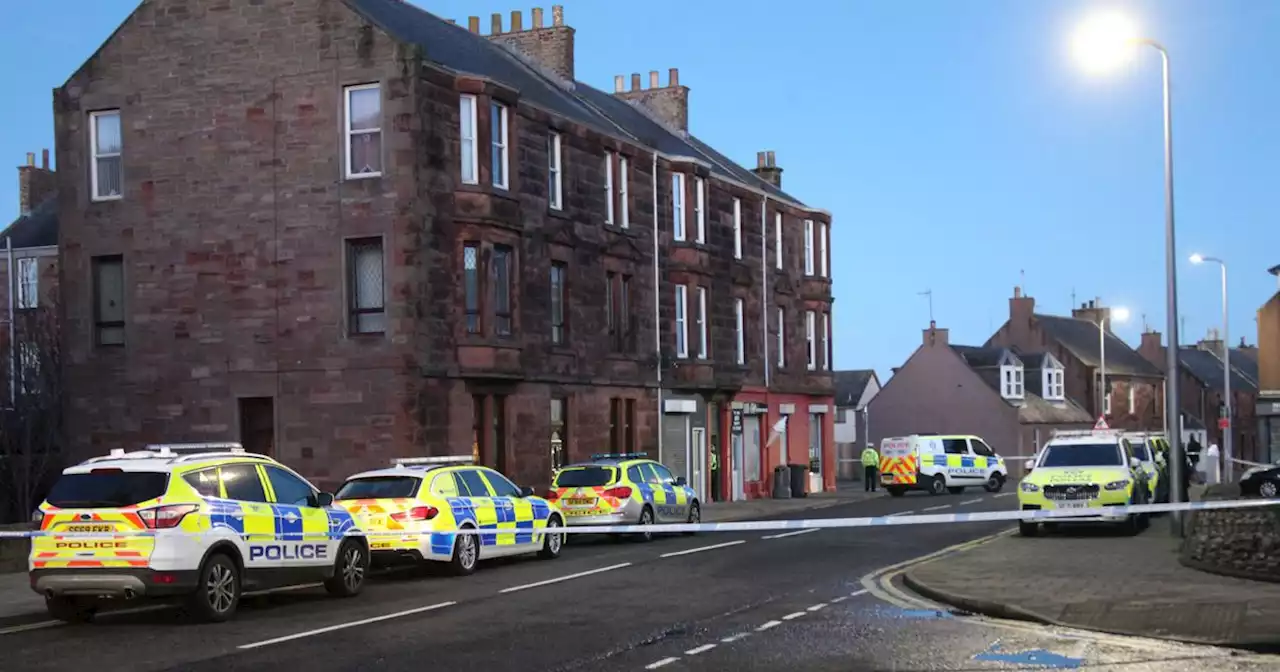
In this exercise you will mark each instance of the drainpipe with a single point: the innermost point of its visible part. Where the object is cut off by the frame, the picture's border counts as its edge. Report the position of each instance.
(657, 303)
(13, 350)
(764, 282)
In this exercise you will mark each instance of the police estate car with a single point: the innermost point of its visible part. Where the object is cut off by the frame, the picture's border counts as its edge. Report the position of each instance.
(205, 522)
(624, 489)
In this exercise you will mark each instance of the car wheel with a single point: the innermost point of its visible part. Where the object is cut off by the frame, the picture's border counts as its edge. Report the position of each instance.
(552, 541)
(1028, 529)
(349, 570)
(896, 491)
(217, 594)
(70, 609)
(995, 483)
(938, 486)
(1269, 489)
(466, 553)
(646, 518)
(695, 516)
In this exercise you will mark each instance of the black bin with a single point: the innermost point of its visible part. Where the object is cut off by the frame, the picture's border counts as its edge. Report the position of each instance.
(781, 484)
(799, 480)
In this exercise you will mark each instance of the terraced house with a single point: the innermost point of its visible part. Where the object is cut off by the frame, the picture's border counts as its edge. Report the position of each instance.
(350, 230)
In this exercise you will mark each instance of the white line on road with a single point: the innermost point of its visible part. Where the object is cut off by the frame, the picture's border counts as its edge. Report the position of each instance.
(971, 501)
(900, 513)
(733, 638)
(1003, 494)
(817, 606)
(660, 663)
(770, 624)
(838, 600)
(696, 650)
(579, 575)
(703, 548)
(792, 616)
(936, 508)
(790, 534)
(343, 626)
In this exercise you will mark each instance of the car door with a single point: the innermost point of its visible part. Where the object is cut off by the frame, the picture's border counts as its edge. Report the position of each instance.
(242, 485)
(676, 507)
(960, 463)
(985, 458)
(514, 511)
(300, 523)
(473, 487)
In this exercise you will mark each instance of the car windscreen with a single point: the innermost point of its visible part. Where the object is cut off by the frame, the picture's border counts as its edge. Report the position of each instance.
(107, 488)
(1082, 455)
(1140, 451)
(379, 487)
(585, 477)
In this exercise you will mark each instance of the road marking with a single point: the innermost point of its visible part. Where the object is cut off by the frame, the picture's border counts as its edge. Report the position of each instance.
(900, 513)
(936, 508)
(343, 626)
(790, 534)
(770, 624)
(703, 548)
(660, 663)
(858, 592)
(838, 600)
(733, 638)
(817, 606)
(792, 616)
(695, 651)
(579, 575)
(971, 501)
(1003, 494)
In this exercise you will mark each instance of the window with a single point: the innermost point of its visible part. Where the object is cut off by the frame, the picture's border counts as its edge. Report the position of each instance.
(106, 169)
(782, 338)
(740, 326)
(1053, 384)
(471, 484)
(364, 131)
(682, 332)
(808, 247)
(823, 233)
(242, 483)
(28, 282)
(559, 431)
(677, 206)
(608, 187)
(205, 482)
(700, 208)
(108, 290)
(618, 310)
(467, 139)
(955, 447)
(777, 240)
(502, 486)
(365, 286)
(471, 285)
(811, 337)
(555, 185)
(559, 273)
(622, 192)
(502, 290)
(737, 228)
(1011, 377)
(498, 131)
(826, 341)
(704, 346)
(290, 489)
(1133, 401)
(662, 474)
(981, 448)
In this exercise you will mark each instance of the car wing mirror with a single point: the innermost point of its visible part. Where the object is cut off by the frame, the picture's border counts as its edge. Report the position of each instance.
(526, 491)
(680, 480)
(324, 499)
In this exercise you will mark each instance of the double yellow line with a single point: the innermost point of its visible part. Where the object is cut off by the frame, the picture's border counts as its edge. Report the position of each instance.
(880, 582)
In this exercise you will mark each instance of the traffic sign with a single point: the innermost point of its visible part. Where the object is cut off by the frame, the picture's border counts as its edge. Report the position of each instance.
(1101, 423)
(1223, 423)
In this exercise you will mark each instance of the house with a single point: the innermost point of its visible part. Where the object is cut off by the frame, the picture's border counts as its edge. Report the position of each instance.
(1081, 343)
(29, 286)
(1268, 406)
(384, 234)
(854, 391)
(1014, 400)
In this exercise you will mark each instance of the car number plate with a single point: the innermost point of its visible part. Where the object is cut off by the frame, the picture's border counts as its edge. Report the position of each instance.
(1073, 505)
(88, 528)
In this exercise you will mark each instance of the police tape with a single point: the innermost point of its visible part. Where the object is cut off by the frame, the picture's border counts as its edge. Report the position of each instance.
(1086, 514)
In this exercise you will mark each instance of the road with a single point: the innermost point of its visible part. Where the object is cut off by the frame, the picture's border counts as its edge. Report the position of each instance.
(758, 601)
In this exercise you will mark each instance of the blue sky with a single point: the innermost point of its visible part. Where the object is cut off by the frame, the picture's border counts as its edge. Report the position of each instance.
(955, 141)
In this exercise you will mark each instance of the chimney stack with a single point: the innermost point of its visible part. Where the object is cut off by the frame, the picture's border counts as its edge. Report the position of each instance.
(933, 336)
(1021, 308)
(1152, 348)
(35, 184)
(669, 104)
(549, 47)
(495, 24)
(767, 168)
(473, 24)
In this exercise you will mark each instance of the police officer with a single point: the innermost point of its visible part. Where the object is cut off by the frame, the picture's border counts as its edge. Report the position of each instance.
(715, 470)
(870, 465)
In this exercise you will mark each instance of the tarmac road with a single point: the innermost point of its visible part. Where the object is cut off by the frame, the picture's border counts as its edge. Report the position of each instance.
(742, 601)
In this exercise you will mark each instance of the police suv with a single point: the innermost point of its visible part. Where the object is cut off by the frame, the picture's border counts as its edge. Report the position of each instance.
(203, 522)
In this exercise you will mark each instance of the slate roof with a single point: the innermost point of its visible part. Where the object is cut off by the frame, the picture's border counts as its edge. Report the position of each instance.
(1080, 338)
(851, 384)
(1033, 409)
(458, 49)
(1246, 361)
(39, 228)
(1208, 369)
(980, 357)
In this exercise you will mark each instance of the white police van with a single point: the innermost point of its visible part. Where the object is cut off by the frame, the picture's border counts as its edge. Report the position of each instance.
(939, 464)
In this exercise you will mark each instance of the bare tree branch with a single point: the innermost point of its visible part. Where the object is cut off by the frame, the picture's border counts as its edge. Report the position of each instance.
(31, 421)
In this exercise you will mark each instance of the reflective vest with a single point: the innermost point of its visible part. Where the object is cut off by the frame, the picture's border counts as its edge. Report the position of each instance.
(870, 458)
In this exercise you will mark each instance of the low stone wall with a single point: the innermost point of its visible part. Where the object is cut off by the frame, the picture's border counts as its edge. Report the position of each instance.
(1243, 543)
(14, 552)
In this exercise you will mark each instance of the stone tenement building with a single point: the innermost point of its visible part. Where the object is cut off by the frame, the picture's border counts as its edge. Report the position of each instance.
(341, 231)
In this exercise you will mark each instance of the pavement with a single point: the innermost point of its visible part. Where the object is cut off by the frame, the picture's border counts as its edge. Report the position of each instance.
(763, 601)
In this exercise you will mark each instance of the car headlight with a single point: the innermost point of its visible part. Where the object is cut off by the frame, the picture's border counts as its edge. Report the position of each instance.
(1118, 485)
(1028, 487)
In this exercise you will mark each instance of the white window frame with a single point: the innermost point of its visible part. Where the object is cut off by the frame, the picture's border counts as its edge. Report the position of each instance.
(740, 320)
(704, 343)
(826, 341)
(1011, 384)
(94, 155)
(1106, 403)
(737, 228)
(349, 133)
(682, 326)
(470, 171)
(811, 338)
(28, 282)
(555, 199)
(823, 233)
(809, 265)
(777, 240)
(1053, 384)
(1133, 399)
(782, 338)
(677, 206)
(623, 205)
(500, 143)
(608, 187)
(700, 209)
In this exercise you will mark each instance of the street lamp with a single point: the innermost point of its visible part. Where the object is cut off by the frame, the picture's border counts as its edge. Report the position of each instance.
(1226, 363)
(1118, 314)
(1104, 41)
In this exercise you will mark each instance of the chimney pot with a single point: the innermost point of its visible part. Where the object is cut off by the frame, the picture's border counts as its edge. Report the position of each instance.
(517, 21)
(473, 24)
(673, 77)
(495, 27)
(557, 15)
(759, 159)
(653, 80)
(772, 161)
(537, 17)
(31, 159)
(44, 158)
(1017, 292)
(933, 324)
(619, 84)
(635, 81)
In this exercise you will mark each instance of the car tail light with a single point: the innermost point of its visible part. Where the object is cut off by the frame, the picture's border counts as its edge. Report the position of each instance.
(620, 492)
(551, 496)
(166, 517)
(417, 513)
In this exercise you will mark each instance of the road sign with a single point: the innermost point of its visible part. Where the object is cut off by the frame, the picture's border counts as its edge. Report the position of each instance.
(1223, 423)
(1101, 423)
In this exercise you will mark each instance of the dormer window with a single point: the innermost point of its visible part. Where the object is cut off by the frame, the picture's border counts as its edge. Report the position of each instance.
(1011, 378)
(1053, 387)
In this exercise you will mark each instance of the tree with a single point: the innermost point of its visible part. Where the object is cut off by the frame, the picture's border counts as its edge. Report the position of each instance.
(31, 415)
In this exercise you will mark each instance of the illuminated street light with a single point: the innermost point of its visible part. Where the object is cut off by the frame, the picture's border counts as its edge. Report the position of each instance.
(1226, 368)
(1105, 41)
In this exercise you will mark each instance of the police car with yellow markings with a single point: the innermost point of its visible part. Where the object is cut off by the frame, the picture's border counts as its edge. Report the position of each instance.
(1150, 449)
(939, 464)
(409, 510)
(1084, 470)
(205, 522)
(624, 489)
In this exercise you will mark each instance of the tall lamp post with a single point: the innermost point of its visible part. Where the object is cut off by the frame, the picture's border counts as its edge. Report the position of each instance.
(1104, 41)
(1118, 314)
(1226, 367)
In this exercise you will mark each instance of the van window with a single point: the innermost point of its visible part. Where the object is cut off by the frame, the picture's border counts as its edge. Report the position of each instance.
(955, 446)
(980, 448)
(107, 488)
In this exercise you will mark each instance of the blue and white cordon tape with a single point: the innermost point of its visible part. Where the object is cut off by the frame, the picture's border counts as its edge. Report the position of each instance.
(1084, 515)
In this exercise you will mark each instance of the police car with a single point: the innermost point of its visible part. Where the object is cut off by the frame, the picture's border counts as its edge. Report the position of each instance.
(624, 489)
(410, 509)
(1085, 471)
(939, 464)
(204, 522)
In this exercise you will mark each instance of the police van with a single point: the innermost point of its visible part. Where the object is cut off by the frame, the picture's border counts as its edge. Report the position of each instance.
(939, 464)
(201, 522)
